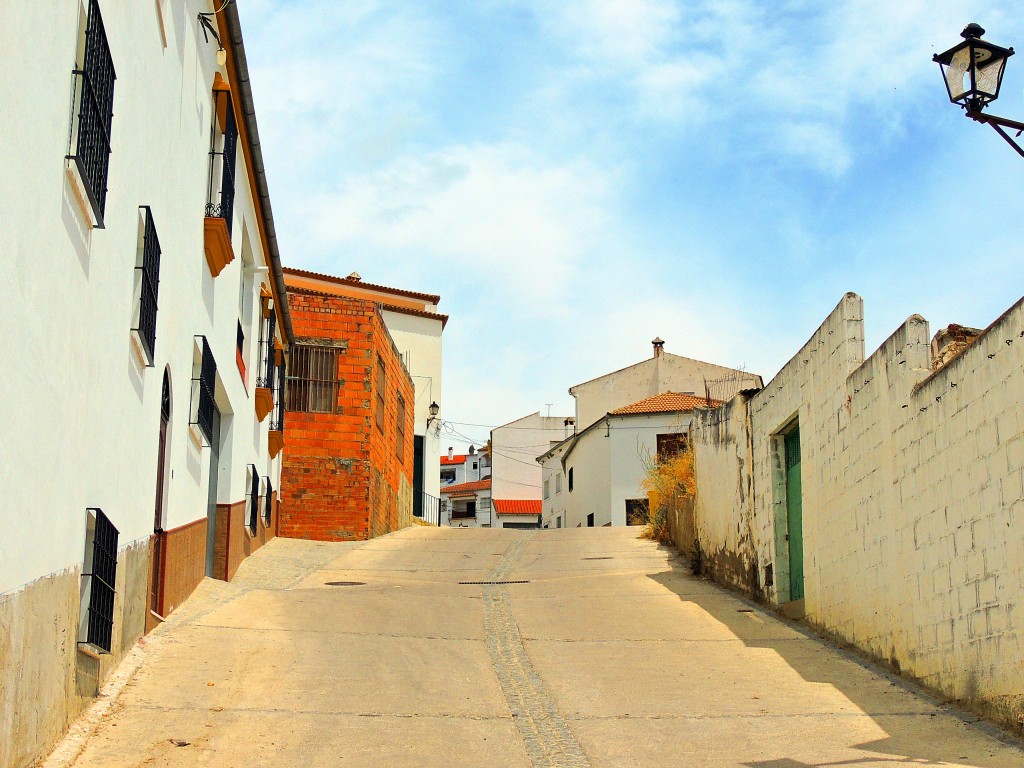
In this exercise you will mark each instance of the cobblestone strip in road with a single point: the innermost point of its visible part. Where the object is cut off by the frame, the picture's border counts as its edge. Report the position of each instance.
(548, 740)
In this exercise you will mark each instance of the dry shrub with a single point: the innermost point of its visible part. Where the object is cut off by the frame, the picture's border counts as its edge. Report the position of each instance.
(665, 482)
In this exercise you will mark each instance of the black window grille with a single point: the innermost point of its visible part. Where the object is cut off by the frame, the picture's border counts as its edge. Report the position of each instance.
(253, 500)
(203, 388)
(220, 198)
(265, 377)
(101, 569)
(95, 110)
(268, 503)
(280, 393)
(312, 383)
(149, 280)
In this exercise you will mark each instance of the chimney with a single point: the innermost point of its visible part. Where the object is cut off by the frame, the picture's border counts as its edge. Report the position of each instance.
(451, 453)
(659, 346)
(569, 422)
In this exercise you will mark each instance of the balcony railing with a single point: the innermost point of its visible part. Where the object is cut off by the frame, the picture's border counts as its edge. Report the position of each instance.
(220, 188)
(428, 508)
(265, 373)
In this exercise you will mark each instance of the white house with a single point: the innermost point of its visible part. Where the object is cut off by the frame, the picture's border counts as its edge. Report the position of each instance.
(595, 478)
(467, 504)
(662, 372)
(416, 327)
(146, 331)
(459, 468)
(515, 475)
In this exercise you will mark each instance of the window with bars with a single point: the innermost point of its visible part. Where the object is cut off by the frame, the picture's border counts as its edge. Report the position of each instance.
(382, 380)
(220, 196)
(312, 379)
(147, 281)
(94, 98)
(252, 498)
(277, 418)
(101, 574)
(400, 430)
(203, 389)
(268, 331)
(268, 503)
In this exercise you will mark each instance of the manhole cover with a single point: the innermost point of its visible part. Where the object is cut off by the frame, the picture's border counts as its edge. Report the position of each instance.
(344, 583)
(494, 582)
(598, 558)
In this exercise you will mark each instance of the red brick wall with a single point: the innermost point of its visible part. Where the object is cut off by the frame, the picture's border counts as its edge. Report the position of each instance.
(233, 542)
(341, 479)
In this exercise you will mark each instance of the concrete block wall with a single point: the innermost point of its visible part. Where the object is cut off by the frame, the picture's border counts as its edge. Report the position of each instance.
(912, 485)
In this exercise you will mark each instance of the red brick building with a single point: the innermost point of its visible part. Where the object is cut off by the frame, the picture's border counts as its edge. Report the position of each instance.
(348, 470)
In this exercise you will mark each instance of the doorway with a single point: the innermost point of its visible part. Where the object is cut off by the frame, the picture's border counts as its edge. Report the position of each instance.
(211, 499)
(156, 577)
(794, 513)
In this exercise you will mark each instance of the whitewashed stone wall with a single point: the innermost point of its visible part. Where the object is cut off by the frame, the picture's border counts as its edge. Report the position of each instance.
(913, 494)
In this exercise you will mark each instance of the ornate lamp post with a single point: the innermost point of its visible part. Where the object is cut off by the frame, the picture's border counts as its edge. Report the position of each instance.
(973, 73)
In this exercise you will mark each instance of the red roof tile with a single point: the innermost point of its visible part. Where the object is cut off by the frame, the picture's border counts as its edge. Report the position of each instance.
(431, 297)
(458, 458)
(517, 506)
(472, 485)
(667, 402)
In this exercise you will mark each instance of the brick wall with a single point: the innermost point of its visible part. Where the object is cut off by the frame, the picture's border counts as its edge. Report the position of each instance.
(234, 542)
(913, 482)
(183, 563)
(341, 477)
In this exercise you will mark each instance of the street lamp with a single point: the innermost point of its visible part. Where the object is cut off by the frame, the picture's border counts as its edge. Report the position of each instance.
(973, 73)
(434, 410)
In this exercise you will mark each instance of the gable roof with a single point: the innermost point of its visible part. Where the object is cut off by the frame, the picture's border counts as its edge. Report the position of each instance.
(432, 298)
(517, 506)
(667, 402)
(458, 458)
(471, 487)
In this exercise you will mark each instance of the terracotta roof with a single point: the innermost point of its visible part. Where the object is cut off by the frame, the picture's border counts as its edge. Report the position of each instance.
(517, 506)
(432, 298)
(472, 485)
(667, 402)
(383, 305)
(458, 458)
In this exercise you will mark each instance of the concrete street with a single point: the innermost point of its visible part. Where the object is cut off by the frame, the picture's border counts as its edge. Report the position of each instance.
(610, 655)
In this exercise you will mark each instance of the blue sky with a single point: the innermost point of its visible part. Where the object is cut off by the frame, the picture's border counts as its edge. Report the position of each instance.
(575, 178)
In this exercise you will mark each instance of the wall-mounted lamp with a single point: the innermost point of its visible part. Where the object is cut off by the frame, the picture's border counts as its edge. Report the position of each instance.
(434, 410)
(973, 72)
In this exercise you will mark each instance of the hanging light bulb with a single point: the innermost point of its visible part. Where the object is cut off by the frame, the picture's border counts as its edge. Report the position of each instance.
(222, 57)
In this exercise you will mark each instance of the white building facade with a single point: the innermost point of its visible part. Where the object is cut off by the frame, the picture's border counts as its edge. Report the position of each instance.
(516, 476)
(142, 276)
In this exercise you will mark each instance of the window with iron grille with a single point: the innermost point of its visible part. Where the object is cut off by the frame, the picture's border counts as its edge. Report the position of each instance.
(265, 374)
(382, 380)
(268, 503)
(147, 281)
(101, 572)
(312, 379)
(277, 418)
(203, 388)
(400, 430)
(220, 196)
(252, 498)
(94, 97)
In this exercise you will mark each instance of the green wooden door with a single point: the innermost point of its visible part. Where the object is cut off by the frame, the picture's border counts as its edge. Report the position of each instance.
(794, 516)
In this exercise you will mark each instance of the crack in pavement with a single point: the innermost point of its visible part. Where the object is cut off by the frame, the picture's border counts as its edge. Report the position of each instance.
(545, 733)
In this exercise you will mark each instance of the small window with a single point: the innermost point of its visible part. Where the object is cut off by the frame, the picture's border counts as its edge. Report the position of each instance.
(570, 479)
(475, 465)
(382, 380)
(400, 430)
(100, 576)
(547, 489)
(313, 379)
(252, 498)
(558, 522)
(448, 476)
(268, 333)
(558, 483)
(94, 100)
(590, 520)
(670, 446)
(280, 395)
(147, 281)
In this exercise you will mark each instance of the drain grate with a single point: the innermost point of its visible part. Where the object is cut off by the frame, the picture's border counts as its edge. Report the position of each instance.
(494, 582)
(598, 558)
(344, 583)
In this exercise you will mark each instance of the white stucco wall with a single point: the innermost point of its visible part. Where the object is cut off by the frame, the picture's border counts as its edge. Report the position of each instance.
(81, 414)
(514, 449)
(419, 341)
(666, 373)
